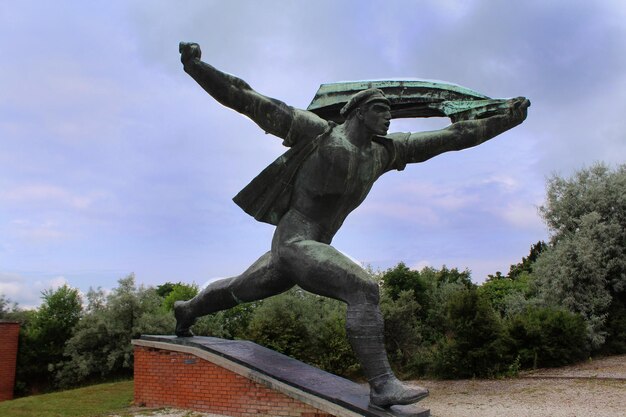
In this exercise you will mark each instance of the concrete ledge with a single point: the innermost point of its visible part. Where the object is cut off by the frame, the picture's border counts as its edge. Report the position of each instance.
(311, 386)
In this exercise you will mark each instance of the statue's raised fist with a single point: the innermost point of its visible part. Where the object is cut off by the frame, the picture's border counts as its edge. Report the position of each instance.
(188, 51)
(518, 108)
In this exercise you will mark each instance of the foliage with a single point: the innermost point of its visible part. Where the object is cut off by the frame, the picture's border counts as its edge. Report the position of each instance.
(502, 292)
(442, 285)
(401, 279)
(165, 289)
(100, 347)
(7, 307)
(402, 326)
(584, 270)
(525, 267)
(228, 324)
(179, 292)
(42, 338)
(545, 337)
(307, 327)
(60, 311)
(616, 327)
(474, 344)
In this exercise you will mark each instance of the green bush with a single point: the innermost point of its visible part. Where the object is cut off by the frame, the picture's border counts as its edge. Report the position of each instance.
(307, 327)
(475, 343)
(501, 291)
(402, 327)
(616, 327)
(548, 337)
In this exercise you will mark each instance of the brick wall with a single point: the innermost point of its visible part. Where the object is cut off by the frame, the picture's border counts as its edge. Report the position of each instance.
(9, 332)
(177, 379)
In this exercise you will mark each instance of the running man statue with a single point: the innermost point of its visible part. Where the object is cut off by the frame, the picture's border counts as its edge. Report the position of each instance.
(309, 191)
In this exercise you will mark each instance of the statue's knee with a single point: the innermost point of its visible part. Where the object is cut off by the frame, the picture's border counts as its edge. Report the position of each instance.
(371, 292)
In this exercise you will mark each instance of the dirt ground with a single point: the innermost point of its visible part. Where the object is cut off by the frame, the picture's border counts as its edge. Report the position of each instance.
(592, 389)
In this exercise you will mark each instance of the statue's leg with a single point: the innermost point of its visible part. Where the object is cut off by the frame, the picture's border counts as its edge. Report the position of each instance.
(260, 281)
(321, 269)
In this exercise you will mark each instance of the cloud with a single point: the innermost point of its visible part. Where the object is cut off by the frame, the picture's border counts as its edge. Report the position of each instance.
(37, 232)
(419, 265)
(521, 215)
(26, 291)
(506, 182)
(50, 195)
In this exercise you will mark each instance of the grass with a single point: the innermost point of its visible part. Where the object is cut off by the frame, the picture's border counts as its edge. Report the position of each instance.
(95, 400)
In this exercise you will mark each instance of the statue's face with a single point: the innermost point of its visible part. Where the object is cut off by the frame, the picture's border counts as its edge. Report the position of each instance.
(376, 116)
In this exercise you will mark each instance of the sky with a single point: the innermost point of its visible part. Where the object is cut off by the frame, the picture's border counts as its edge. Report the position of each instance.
(114, 161)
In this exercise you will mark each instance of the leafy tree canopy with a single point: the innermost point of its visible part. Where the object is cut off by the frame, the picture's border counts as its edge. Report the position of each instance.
(584, 270)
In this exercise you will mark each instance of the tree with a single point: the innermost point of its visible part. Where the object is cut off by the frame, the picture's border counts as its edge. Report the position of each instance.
(475, 343)
(501, 291)
(164, 290)
(101, 346)
(179, 292)
(6, 307)
(58, 314)
(400, 278)
(43, 337)
(526, 265)
(584, 270)
(402, 326)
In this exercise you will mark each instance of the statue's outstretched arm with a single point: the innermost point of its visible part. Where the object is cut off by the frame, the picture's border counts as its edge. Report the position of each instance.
(273, 116)
(465, 134)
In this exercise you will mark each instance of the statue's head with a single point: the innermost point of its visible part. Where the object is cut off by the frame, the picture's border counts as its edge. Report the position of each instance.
(370, 107)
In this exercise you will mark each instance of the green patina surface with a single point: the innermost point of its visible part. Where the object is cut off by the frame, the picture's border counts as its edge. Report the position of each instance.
(408, 98)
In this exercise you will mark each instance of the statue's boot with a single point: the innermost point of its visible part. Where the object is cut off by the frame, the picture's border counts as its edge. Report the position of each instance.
(365, 329)
(184, 320)
(215, 297)
(387, 390)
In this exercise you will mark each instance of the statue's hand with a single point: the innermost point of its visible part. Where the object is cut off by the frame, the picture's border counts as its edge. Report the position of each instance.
(188, 51)
(518, 108)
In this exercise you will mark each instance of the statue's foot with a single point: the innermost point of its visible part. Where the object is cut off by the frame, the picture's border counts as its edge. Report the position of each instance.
(390, 391)
(183, 321)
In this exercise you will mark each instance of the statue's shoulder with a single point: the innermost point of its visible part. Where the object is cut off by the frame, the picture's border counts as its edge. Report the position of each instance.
(393, 145)
(306, 126)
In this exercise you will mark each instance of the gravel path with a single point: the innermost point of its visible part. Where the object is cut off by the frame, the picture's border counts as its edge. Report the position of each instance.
(593, 389)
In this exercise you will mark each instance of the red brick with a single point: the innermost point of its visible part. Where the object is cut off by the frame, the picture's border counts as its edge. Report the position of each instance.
(161, 381)
(9, 334)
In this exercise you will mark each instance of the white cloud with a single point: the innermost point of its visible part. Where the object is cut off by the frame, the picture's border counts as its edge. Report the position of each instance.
(49, 195)
(37, 232)
(446, 196)
(505, 182)
(26, 291)
(419, 265)
(404, 212)
(10, 284)
(521, 214)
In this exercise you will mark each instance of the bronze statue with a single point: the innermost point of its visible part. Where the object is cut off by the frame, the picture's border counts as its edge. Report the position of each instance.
(309, 191)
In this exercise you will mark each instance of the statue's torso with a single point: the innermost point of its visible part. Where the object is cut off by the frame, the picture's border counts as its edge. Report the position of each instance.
(334, 180)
